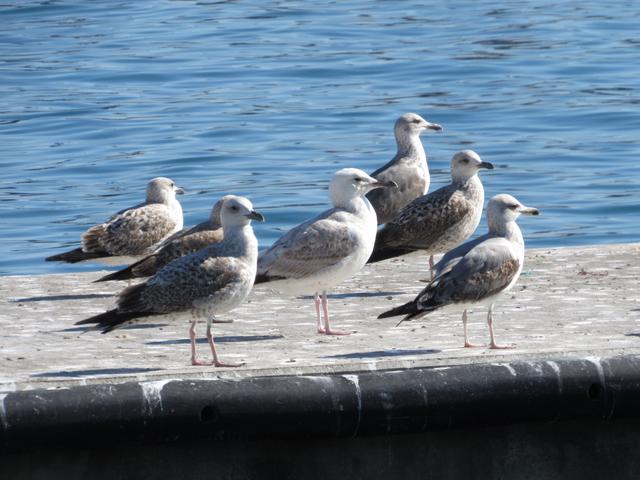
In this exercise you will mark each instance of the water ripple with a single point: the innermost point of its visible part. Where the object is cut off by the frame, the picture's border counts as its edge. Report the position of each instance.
(267, 100)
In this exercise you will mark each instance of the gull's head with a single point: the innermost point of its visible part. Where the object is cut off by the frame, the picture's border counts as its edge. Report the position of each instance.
(214, 216)
(412, 124)
(505, 208)
(466, 163)
(237, 211)
(162, 190)
(350, 183)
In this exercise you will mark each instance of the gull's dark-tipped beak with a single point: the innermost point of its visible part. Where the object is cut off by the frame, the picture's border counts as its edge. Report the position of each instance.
(487, 165)
(530, 211)
(385, 184)
(433, 126)
(179, 191)
(253, 215)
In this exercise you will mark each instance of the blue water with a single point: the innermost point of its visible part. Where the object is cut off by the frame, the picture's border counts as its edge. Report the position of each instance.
(267, 99)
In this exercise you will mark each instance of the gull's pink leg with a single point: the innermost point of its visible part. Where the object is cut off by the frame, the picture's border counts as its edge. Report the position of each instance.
(327, 324)
(493, 340)
(317, 301)
(431, 265)
(216, 361)
(464, 327)
(192, 336)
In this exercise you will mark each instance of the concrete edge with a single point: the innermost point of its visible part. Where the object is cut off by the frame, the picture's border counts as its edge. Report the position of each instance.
(73, 379)
(310, 406)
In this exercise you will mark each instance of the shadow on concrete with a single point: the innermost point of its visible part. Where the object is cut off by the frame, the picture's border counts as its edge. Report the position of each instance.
(227, 339)
(386, 353)
(357, 295)
(632, 334)
(93, 372)
(88, 328)
(143, 326)
(53, 298)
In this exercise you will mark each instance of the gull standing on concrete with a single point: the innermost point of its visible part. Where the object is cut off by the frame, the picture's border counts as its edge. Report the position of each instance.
(135, 231)
(203, 284)
(440, 220)
(322, 252)
(477, 271)
(184, 242)
(408, 169)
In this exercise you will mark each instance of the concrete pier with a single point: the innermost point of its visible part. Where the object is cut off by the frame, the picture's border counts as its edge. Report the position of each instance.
(573, 318)
(568, 302)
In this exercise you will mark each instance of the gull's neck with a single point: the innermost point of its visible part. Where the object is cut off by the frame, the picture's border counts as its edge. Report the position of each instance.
(410, 147)
(165, 199)
(243, 238)
(465, 181)
(357, 205)
(176, 210)
(508, 230)
(174, 204)
(161, 196)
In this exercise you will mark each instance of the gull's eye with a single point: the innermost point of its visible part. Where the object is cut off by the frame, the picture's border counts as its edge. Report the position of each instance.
(415, 120)
(357, 180)
(513, 206)
(465, 160)
(234, 208)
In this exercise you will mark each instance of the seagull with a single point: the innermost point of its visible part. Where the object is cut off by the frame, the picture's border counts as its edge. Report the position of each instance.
(135, 231)
(187, 240)
(440, 220)
(322, 252)
(408, 169)
(203, 284)
(476, 271)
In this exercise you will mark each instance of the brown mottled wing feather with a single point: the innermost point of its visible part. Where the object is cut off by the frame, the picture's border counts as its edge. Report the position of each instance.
(308, 248)
(180, 247)
(487, 269)
(201, 227)
(180, 285)
(186, 245)
(423, 222)
(134, 232)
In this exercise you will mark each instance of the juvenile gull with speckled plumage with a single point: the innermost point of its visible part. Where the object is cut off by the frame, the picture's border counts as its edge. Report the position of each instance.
(408, 169)
(477, 271)
(322, 252)
(440, 220)
(135, 231)
(184, 242)
(203, 284)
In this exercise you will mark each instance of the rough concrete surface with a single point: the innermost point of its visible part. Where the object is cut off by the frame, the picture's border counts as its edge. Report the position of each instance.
(569, 302)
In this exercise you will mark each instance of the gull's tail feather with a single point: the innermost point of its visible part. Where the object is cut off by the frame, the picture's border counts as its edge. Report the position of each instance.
(75, 256)
(384, 253)
(264, 278)
(112, 319)
(411, 310)
(124, 274)
(130, 307)
(146, 267)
